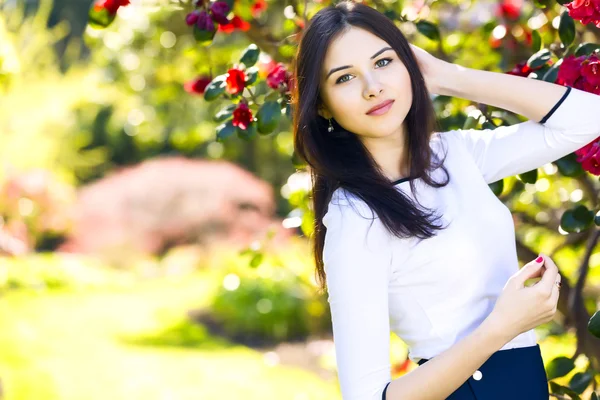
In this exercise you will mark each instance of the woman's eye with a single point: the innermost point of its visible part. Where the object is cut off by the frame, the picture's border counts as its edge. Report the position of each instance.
(385, 59)
(340, 79)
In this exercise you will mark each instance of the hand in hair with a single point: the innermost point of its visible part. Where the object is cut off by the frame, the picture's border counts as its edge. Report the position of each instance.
(432, 68)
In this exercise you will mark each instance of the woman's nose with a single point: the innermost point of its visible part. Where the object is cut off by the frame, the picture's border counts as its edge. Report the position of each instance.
(373, 88)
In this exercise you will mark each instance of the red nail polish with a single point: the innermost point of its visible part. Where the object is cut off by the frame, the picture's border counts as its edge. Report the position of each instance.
(539, 259)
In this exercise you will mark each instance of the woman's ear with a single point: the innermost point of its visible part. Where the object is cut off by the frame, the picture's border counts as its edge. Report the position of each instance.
(323, 112)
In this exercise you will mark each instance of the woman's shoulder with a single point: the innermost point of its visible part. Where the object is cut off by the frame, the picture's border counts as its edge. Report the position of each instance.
(344, 204)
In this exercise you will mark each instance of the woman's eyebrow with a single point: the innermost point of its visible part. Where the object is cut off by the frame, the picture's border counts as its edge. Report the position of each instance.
(331, 71)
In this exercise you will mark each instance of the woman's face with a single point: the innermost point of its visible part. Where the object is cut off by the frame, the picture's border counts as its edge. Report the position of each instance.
(364, 76)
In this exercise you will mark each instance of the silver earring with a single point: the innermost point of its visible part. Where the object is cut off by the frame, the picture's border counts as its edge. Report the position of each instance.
(330, 128)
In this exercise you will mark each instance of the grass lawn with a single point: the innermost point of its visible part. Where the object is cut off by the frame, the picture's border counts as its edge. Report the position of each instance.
(131, 343)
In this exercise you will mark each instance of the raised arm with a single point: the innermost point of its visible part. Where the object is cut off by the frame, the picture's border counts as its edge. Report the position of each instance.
(357, 258)
(565, 126)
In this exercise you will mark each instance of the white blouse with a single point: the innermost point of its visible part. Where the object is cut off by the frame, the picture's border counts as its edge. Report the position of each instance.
(434, 292)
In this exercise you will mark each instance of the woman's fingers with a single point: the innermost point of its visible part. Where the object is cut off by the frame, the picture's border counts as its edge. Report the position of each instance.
(549, 277)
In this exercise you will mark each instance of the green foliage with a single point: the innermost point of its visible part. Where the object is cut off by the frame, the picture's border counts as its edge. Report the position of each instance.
(268, 303)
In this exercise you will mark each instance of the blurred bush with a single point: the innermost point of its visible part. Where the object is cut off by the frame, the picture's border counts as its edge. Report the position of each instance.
(170, 201)
(276, 301)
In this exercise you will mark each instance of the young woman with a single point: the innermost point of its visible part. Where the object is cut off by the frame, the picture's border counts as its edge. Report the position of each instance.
(408, 236)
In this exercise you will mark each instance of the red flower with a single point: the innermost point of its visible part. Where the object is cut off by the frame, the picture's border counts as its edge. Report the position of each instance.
(509, 9)
(258, 7)
(242, 116)
(278, 75)
(521, 69)
(112, 6)
(590, 70)
(198, 85)
(589, 157)
(585, 11)
(570, 70)
(236, 81)
(235, 23)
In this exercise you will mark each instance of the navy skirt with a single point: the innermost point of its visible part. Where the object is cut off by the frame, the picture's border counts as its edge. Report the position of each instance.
(515, 374)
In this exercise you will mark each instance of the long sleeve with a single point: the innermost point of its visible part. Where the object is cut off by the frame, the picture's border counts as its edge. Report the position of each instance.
(357, 258)
(510, 150)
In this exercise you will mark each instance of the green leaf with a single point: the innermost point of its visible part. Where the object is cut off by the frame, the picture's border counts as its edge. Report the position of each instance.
(230, 3)
(224, 113)
(204, 37)
(536, 41)
(552, 74)
(563, 2)
(250, 55)
(497, 187)
(215, 88)
(580, 381)
(428, 29)
(594, 324)
(583, 214)
(560, 366)
(597, 218)
(251, 75)
(576, 219)
(248, 133)
(586, 49)
(488, 125)
(392, 14)
(559, 389)
(100, 18)
(538, 59)
(529, 176)
(566, 29)
(256, 260)
(225, 130)
(568, 166)
(594, 396)
(268, 117)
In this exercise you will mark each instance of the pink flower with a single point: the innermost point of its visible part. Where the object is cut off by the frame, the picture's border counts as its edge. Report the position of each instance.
(589, 157)
(278, 75)
(570, 70)
(585, 11)
(590, 70)
(242, 116)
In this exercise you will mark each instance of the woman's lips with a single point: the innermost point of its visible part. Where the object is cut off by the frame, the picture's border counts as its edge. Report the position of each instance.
(382, 110)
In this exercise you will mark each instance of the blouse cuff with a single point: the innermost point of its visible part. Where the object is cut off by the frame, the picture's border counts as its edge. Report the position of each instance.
(556, 105)
(385, 390)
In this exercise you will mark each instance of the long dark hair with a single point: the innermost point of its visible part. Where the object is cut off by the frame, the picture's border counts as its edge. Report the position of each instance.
(339, 159)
